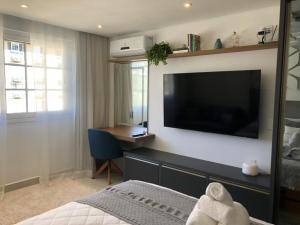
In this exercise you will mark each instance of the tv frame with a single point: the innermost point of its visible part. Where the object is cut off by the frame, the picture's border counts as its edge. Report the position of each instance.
(255, 136)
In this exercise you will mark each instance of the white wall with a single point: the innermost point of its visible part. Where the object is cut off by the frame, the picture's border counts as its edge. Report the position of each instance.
(208, 146)
(224, 149)
(246, 24)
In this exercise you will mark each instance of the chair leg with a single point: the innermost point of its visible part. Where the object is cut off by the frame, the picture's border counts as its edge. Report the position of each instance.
(109, 172)
(116, 168)
(101, 169)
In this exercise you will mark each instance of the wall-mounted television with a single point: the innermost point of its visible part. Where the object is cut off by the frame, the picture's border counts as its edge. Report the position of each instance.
(219, 102)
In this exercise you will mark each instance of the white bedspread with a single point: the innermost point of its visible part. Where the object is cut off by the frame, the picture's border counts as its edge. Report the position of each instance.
(74, 213)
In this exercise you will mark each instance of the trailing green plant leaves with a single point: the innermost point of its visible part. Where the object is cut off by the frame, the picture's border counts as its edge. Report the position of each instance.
(159, 53)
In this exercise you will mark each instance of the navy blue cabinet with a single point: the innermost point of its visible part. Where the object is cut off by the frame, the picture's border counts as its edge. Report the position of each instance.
(139, 169)
(191, 176)
(184, 181)
(257, 202)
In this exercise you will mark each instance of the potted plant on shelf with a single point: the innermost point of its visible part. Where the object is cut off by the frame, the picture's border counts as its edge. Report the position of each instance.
(159, 53)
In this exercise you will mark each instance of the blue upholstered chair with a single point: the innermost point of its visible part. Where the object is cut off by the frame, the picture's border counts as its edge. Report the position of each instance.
(104, 147)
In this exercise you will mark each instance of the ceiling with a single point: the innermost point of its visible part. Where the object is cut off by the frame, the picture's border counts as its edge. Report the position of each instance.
(124, 16)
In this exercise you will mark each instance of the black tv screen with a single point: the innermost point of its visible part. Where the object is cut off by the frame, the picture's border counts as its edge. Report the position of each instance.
(219, 102)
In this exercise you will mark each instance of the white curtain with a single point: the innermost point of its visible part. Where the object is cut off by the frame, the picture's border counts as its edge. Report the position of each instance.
(123, 94)
(66, 92)
(93, 98)
(93, 66)
(53, 73)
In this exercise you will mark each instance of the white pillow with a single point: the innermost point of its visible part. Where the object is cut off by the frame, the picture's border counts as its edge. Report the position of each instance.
(294, 141)
(288, 133)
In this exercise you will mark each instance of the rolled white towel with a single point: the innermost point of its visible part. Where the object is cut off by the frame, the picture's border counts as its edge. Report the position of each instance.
(219, 206)
(219, 193)
(238, 216)
(216, 210)
(199, 218)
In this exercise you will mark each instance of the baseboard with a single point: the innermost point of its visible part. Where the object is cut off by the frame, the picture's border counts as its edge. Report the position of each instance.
(21, 184)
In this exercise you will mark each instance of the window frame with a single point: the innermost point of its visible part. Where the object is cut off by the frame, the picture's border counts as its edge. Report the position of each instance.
(24, 116)
(21, 114)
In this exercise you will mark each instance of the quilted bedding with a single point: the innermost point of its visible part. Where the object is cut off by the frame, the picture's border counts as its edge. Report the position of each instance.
(76, 213)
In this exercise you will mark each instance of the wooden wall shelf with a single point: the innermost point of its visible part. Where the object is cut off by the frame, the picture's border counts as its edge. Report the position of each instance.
(201, 52)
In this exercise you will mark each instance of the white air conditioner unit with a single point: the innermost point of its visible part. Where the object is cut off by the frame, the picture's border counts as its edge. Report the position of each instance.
(130, 46)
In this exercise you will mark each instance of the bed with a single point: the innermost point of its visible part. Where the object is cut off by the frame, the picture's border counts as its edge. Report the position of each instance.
(290, 163)
(128, 203)
(290, 174)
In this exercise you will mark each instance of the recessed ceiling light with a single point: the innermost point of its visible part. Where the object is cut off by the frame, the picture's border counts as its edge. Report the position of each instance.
(24, 6)
(99, 26)
(187, 5)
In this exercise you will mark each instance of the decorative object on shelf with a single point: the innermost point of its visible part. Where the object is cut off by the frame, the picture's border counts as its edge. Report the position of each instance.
(250, 168)
(218, 44)
(274, 32)
(159, 53)
(235, 39)
(180, 51)
(183, 49)
(193, 42)
(266, 34)
(261, 36)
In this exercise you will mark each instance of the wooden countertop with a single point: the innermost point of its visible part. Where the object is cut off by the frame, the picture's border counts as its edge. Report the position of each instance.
(201, 52)
(124, 133)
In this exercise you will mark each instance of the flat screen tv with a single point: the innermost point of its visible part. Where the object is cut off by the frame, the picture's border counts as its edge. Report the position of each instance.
(219, 102)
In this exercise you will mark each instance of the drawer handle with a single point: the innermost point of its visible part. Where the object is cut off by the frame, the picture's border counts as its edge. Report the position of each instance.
(239, 186)
(183, 171)
(141, 160)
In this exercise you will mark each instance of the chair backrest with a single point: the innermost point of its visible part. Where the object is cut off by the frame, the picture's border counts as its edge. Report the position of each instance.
(103, 145)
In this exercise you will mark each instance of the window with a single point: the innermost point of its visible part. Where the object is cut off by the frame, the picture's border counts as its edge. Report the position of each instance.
(34, 78)
(139, 73)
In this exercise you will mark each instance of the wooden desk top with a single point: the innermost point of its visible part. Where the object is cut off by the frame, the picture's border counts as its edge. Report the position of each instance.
(124, 133)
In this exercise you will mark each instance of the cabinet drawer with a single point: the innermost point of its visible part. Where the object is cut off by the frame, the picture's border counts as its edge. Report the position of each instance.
(257, 202)
(184, 181)
(139, 169)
